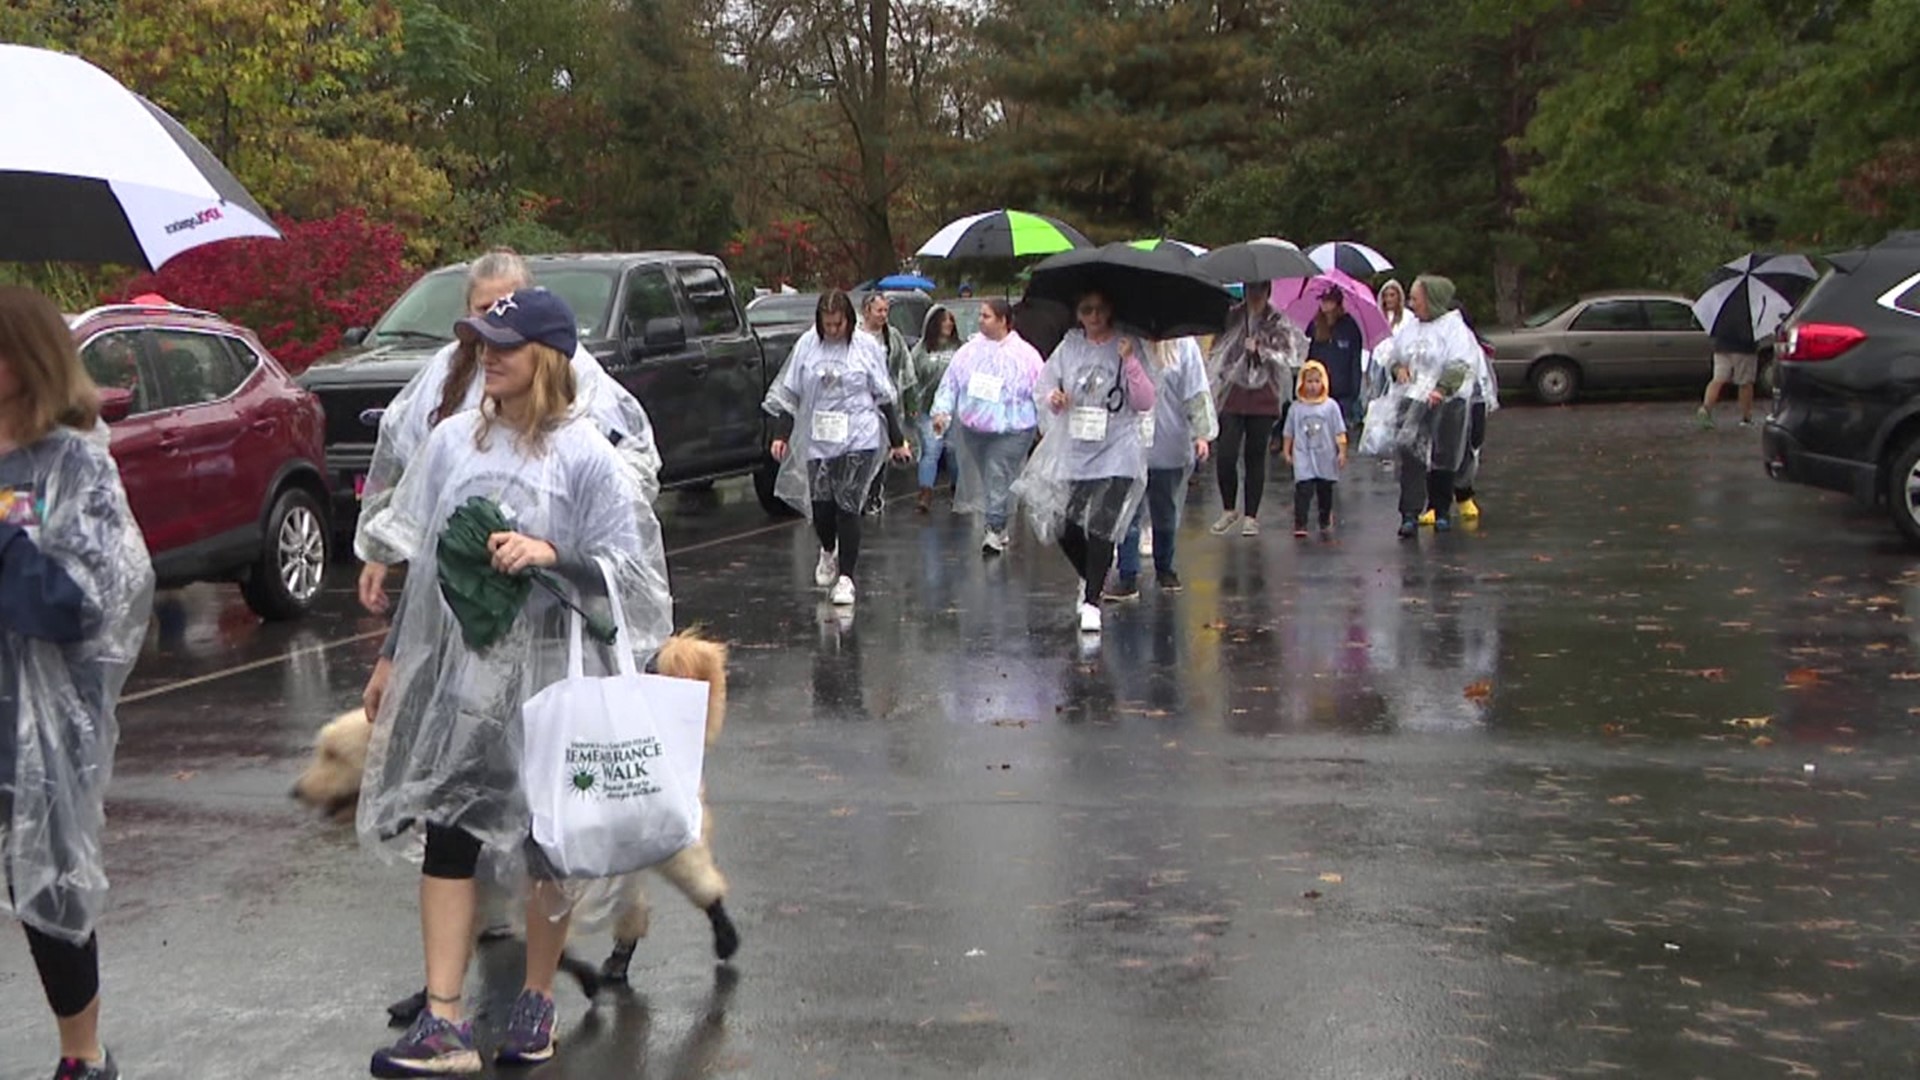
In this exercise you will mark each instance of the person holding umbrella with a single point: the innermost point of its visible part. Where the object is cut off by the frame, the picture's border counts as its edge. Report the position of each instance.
(1744, 302)
(443, 762)
(76, 588)
(989, 388)
(1334, 339)
(835, 424)
(1252, 365)
(1085, 479)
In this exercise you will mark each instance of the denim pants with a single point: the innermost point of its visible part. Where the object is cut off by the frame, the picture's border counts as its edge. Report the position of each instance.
(999, 460)
(931, 446)
(1165, 488)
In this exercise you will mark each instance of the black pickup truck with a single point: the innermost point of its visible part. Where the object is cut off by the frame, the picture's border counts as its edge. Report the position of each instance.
(666, 324)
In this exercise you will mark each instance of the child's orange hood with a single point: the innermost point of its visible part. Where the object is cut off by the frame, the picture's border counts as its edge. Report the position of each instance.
(1299, 390)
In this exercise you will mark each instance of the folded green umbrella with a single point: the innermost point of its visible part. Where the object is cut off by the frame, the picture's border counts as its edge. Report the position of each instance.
(484, 600)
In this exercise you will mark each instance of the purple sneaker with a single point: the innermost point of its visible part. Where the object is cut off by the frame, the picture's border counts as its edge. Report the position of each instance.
(75, 1069)
(529, 1039)
(431, 1047)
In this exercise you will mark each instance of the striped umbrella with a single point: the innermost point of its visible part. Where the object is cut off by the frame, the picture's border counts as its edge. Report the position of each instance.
(93, 172)
(1351, 258)
(1002, 234)
(1155, 243)
(1746, 299)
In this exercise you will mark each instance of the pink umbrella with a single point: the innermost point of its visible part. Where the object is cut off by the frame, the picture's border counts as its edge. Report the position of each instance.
(1299, 300)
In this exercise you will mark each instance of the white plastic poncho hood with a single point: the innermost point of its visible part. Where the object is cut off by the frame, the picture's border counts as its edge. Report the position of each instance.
(56, 754)
(833, 391)
(410, 418)
(446, 746)
(1054, 487)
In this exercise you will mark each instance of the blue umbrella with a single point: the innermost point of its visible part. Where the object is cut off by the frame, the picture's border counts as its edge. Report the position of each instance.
(903, 281)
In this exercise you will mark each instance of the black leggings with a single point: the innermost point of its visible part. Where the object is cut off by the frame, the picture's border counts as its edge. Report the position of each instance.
(838, 528)
(1100, 504)
(1304, 492)
(69, 973)
(1243, 438)
(1090, 557)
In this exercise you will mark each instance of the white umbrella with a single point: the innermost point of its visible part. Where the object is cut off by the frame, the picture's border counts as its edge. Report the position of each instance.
(93, 172)
(1350, 257)
(1747, 299)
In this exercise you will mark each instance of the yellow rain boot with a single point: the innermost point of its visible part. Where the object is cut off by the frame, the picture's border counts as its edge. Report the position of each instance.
(1469, 510)
(1426, 519)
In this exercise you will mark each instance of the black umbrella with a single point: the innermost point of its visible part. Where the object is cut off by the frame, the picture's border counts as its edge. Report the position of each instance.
(1156, 292)
(483, 600)
(1746, 299)
(1265, 259)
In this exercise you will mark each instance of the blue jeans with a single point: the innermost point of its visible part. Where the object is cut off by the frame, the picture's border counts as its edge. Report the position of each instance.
(931, 446)
(1164, 489)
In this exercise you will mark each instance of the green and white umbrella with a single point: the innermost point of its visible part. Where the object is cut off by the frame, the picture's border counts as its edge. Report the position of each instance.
(1002, 234)
(1155, 243)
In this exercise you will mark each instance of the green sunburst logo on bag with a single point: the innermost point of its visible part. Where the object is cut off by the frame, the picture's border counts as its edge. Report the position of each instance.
(583, 781)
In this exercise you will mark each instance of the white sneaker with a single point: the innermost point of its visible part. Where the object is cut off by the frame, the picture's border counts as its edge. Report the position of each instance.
(1224, 522)
(1146, 542)
(842, 595)
(1089, 618)
(993, 542)
(827, 570)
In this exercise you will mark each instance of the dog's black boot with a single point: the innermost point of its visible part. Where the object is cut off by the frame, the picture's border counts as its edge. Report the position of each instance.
(404, 1012)
(614, 968)
(726, 939)
(583, 973)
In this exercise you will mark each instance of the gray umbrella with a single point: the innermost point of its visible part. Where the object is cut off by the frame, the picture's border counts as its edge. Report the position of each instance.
(1265, 259)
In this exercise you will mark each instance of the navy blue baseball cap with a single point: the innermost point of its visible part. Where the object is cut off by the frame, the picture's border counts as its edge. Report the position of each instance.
(531, 314)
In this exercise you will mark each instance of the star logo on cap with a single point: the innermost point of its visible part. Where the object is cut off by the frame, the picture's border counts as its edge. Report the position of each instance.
(502, 306)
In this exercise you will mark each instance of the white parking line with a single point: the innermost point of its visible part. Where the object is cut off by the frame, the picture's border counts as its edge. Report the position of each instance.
(311, 650)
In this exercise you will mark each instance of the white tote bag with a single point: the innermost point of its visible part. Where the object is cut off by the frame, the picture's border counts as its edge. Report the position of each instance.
(612, 765)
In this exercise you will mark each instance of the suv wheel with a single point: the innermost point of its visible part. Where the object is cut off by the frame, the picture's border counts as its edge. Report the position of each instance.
(293, 560)
(1555, 382)
(1903, 489)
(763, 481)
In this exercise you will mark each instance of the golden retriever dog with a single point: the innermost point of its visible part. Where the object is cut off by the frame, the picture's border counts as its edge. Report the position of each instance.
(331, 784)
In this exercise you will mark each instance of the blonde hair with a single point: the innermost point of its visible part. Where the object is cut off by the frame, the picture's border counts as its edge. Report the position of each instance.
(37, 344)
(1164, 353)
(551, 395)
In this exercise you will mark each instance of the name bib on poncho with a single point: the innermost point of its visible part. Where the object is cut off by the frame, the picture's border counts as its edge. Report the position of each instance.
(830, 427)
(1087, 423)
(984, 387)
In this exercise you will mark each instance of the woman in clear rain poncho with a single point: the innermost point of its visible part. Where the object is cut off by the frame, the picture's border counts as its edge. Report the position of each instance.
(1434, 361)
(76, 588)
(1180, 436)
(1084, 481)
(447, 742)
(939, 337)
(833, 407)
(450, 384)
(989, 389)
(875, 312)
(1254, 365)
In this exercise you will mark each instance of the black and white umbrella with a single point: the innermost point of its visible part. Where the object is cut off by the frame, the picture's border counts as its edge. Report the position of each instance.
(1264, 259)
(1353, 259)
(1746, 299)
(93, 172)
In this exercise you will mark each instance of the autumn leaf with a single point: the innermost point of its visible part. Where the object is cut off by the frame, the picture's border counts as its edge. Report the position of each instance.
(1331, 878)
(1479, 691)
(1750, 721)
(1803, 676)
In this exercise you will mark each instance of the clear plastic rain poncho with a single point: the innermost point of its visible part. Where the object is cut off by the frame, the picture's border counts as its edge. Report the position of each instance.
(833, 390)
(1441, 355)
(988, 390)
(1280, 349)
(446, 747)
(1090, 468)
(1182, 405)
(56, 754)
(410, 418)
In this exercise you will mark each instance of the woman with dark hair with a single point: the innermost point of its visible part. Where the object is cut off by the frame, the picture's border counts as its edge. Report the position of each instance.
(1253, 366)
(939, 339)
(989, 387)
(1335, 340)
(76, 587)
(836, 421)
(1086, 478)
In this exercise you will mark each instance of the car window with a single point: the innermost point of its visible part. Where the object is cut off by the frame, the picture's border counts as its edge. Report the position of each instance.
(1670, 316)
(194, 368)
(1546, 315)
(782, 310)
(588, 292)
(113, 360)
(1610, 315)
(428, 310)
(649, 297)
(711, 300)
(243, 355)
(1909, 301)
(908, 314)
(966, 316)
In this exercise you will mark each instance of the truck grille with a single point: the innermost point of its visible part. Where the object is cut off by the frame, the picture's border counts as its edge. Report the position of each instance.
(345, 406)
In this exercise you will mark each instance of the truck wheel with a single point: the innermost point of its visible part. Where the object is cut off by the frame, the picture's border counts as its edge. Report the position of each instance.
(1903, 489)
(763, 480)
(293, 559)
(1555, 382)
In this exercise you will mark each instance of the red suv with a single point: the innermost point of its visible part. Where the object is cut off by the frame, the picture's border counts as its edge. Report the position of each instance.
(220, 451)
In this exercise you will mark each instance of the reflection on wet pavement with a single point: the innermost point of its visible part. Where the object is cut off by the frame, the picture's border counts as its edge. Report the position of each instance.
(1621, 780)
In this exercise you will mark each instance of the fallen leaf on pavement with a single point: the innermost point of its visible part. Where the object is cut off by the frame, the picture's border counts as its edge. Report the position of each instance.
(1803, 676)
(1479, 691)
(1750, 721)
(1331, 878)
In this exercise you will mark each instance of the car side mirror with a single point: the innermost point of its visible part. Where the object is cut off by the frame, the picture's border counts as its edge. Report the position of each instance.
(354, 335)
(663, 334)
(116, 404)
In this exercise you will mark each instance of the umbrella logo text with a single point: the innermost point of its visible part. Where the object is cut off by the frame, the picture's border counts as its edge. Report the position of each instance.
(205, 217)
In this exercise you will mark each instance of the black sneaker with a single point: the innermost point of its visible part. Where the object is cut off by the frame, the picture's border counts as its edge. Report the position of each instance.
(75, 1069)
(1122, 588)
(1168, 582)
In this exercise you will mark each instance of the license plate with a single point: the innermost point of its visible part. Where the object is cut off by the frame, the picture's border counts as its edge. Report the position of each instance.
(359, 485)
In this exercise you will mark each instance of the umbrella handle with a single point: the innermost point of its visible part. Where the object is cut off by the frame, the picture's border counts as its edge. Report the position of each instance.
(598, 629)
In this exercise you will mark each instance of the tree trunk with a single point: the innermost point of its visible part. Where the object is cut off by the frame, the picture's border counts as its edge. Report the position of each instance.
(1522, 96)
(875, 186)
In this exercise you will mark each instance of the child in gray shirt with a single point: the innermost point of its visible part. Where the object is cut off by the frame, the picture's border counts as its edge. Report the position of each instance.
(1315, 444)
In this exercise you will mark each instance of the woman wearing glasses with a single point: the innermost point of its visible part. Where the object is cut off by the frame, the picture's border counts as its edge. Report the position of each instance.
(1085, 480)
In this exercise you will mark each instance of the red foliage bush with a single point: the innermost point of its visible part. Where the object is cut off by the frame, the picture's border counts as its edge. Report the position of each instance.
(298, 293)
